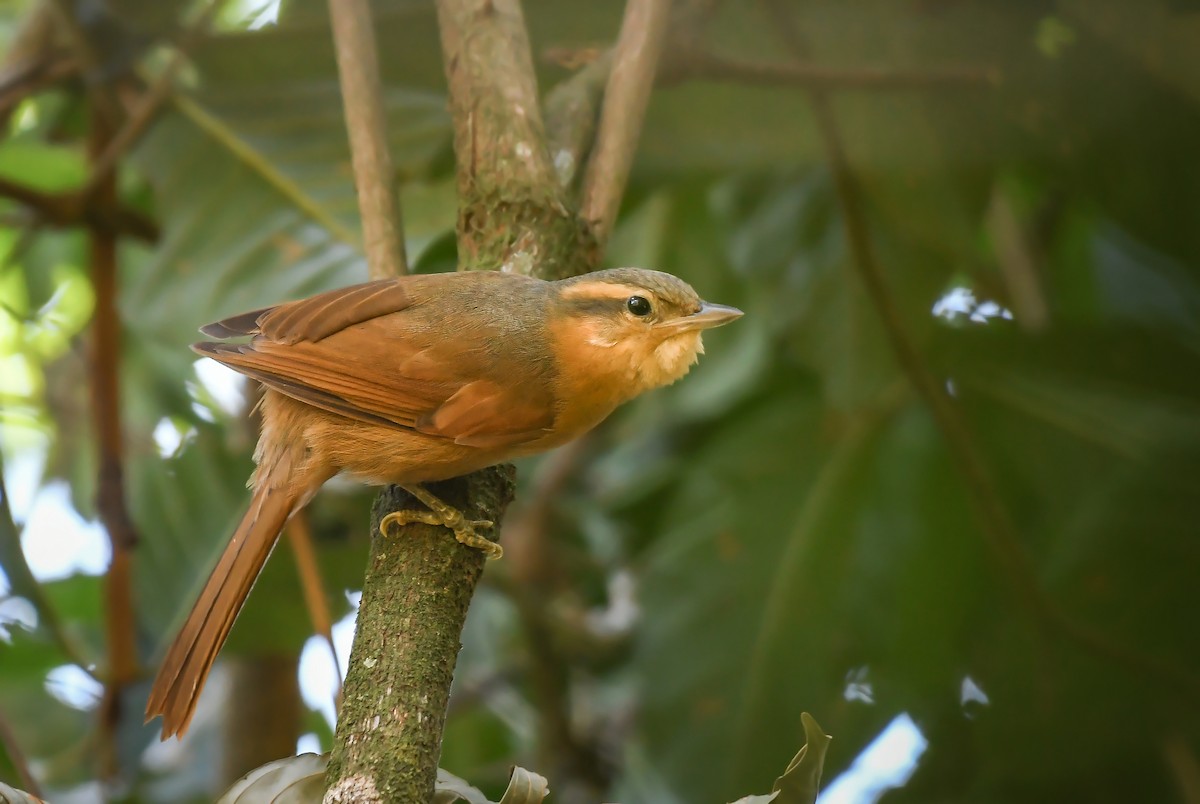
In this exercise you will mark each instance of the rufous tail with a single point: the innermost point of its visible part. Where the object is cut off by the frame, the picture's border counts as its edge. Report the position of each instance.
(190, 657)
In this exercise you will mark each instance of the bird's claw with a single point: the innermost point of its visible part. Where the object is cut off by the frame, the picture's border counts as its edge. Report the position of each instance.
(465, 530)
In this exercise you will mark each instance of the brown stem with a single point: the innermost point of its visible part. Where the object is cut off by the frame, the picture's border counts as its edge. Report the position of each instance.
(572, 112)
(1181, 759)
(635, 61)
(15, 755)
(1018, 263)
(366, 124)
(995, 523)
(299, 535)
(120, 622)
(419, 582)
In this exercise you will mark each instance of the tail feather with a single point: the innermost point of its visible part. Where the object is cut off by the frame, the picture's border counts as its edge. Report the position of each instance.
(184, 670)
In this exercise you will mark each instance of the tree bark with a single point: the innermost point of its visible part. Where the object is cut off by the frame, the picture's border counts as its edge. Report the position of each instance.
(513, 213)
(417, 590)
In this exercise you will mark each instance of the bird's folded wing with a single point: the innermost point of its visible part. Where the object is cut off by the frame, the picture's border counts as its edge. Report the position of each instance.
(445, 388)
(319, 316)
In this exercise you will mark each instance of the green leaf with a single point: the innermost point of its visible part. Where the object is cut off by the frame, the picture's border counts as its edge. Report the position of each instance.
(450, 788)
(525, 787)
(801, 782)
(292, 780)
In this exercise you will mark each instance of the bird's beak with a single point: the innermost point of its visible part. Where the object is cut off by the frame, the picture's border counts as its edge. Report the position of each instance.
(709, 316)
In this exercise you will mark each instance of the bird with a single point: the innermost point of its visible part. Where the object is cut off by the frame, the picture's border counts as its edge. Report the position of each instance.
(421, 378)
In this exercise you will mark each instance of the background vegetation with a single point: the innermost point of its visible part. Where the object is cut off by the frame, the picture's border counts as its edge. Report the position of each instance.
(967, 495)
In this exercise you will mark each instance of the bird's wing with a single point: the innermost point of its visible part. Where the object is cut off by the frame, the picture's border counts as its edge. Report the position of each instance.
(367, 353)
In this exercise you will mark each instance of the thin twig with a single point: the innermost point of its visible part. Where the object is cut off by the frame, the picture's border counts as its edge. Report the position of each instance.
(1018, 263)
(572, 111)
(532, 583)
(25, 82)
(698, 65)
(996, 525)
(91, 63)
(12, 748)
(1181, 759)
(635, 61)
(366, 124)
(120, 629)
(528, 526)
(68, 210)
(23, 582)
(299, 534)
(150, 102)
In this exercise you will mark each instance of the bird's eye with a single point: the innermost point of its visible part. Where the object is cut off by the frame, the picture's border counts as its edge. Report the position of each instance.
(638, 305)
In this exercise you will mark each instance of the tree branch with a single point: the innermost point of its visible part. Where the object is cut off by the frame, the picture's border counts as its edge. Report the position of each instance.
(419, 583)
(68, 210)
(635, 61)
(23, 583)
(299, 536)
(120, 621)
(8, 740)
(366, 125)
(513, 214)
(572, 112)
(415, 597)
(148, 104)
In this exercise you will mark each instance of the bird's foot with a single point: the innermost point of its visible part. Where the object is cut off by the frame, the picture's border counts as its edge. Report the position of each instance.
(447, 516)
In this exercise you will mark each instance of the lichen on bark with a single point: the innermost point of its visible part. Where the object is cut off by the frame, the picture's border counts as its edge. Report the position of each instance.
(406, 642)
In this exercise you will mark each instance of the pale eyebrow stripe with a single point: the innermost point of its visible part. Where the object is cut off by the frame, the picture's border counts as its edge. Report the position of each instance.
(606, 290)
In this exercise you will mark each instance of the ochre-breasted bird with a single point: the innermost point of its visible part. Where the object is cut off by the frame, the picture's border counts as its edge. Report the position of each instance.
(424, 378)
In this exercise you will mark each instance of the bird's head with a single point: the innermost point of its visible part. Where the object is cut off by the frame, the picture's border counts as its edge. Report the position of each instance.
(641, 326)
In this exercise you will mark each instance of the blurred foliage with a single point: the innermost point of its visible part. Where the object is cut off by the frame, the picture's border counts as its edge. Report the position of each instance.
(784, 531)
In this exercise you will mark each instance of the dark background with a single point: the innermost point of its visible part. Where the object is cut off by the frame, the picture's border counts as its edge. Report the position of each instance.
(790, 529)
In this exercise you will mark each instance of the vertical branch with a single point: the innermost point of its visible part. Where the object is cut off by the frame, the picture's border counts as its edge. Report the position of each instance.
(416, 592)
(419, 583)
(635, 61)
(513, 213)
(366, 124)
(104, 366)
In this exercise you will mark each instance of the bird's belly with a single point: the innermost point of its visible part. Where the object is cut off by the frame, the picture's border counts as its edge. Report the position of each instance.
(403, 456)
(378, 454)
